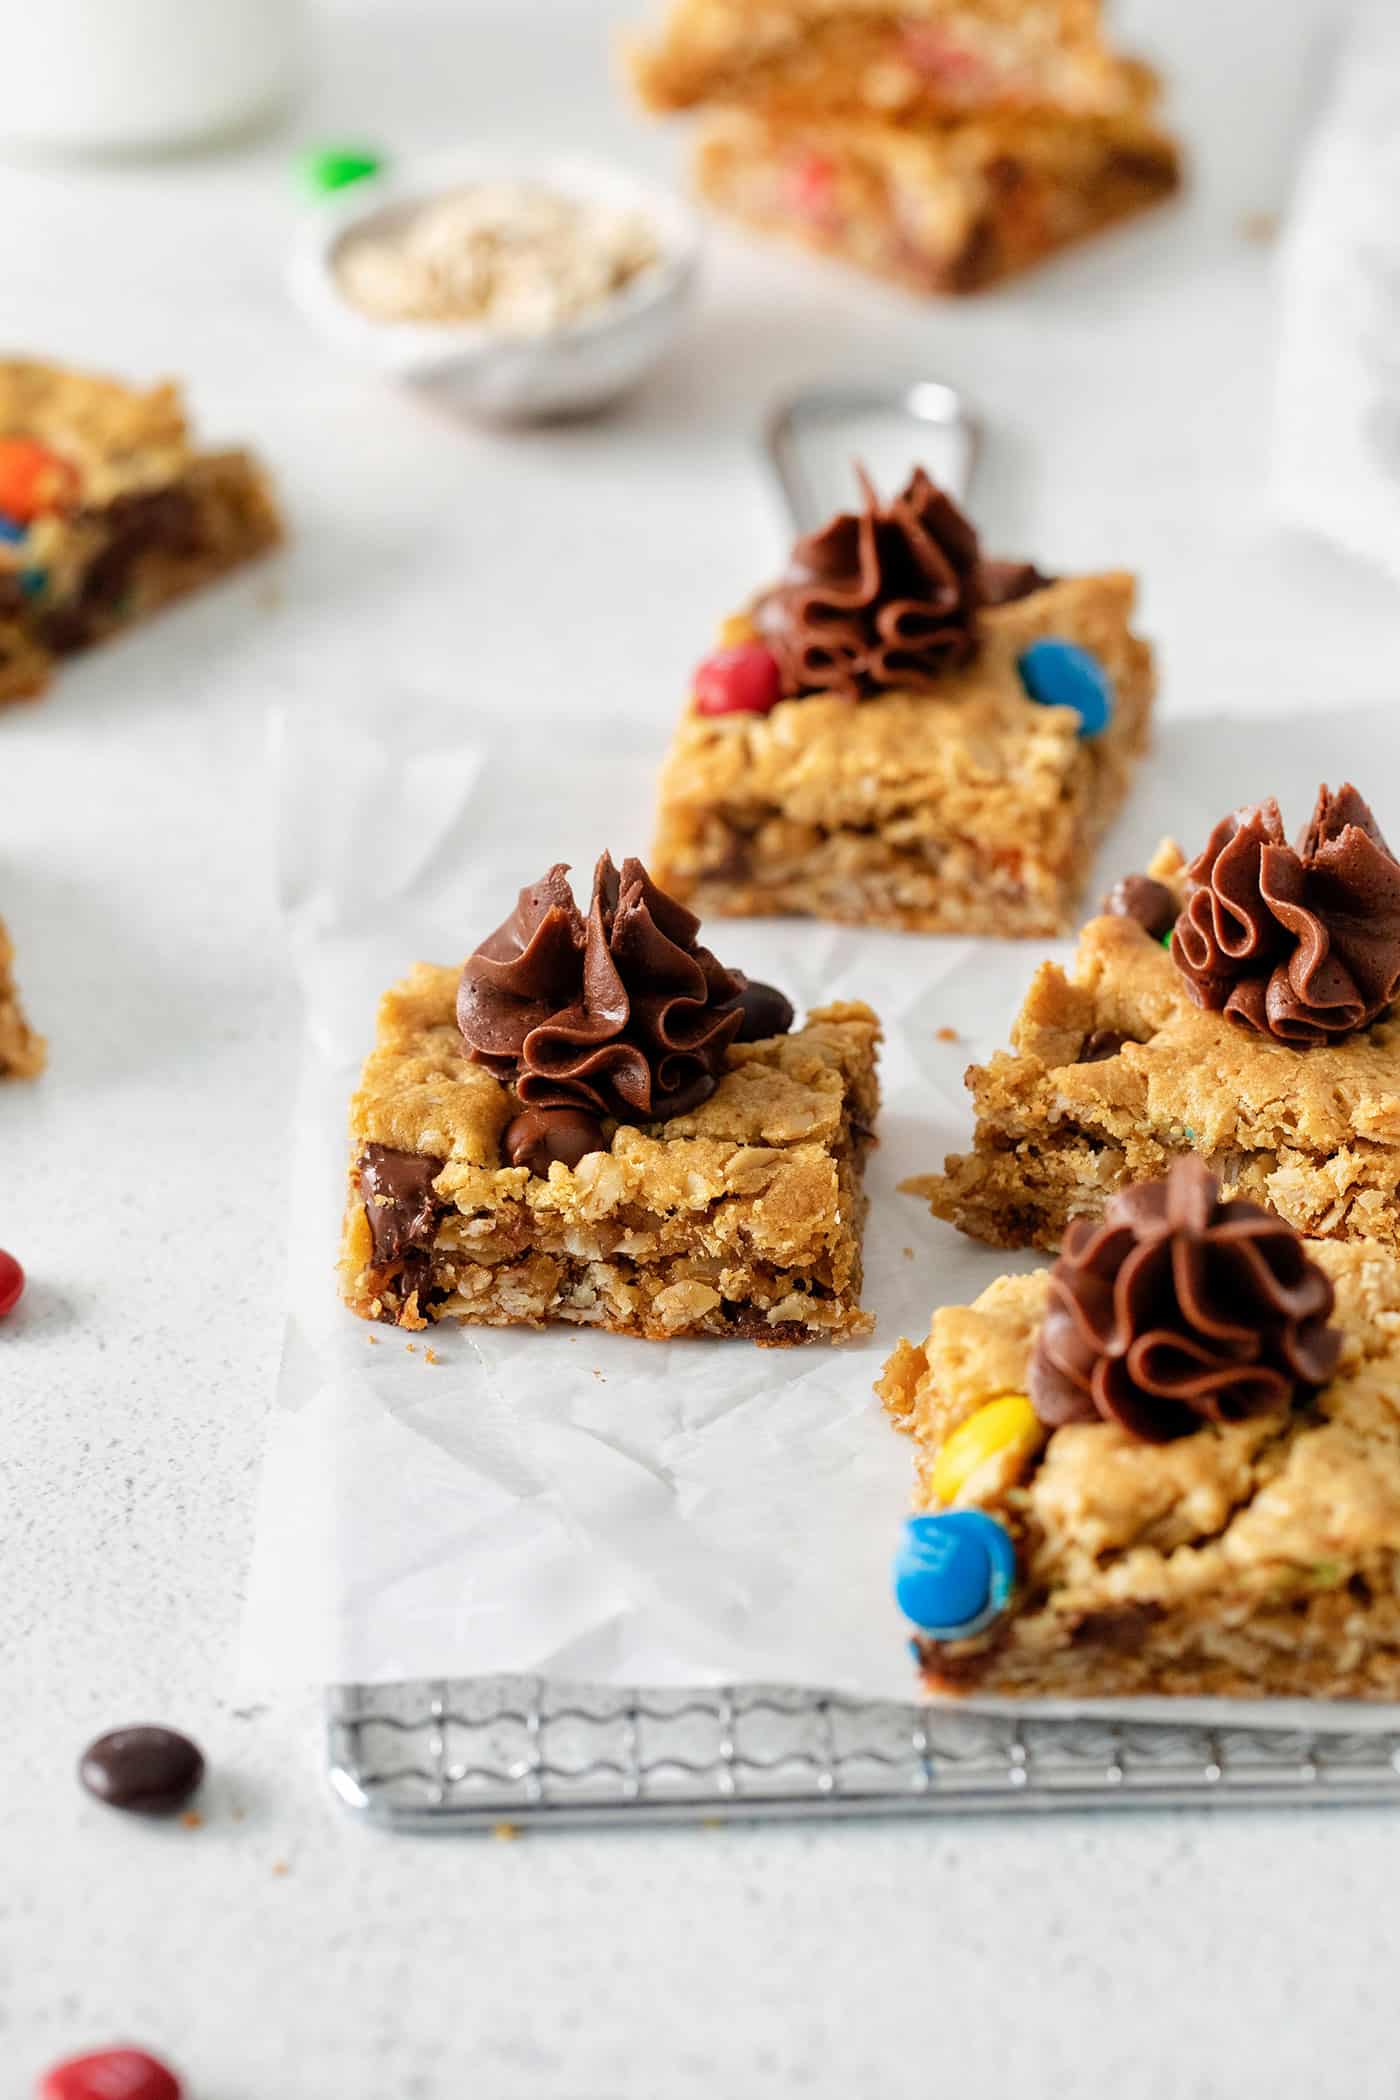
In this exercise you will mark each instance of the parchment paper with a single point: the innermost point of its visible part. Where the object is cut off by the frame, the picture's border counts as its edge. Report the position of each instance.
(580, 1505)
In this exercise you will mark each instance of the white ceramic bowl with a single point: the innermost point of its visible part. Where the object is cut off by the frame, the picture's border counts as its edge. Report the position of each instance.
(477, 369)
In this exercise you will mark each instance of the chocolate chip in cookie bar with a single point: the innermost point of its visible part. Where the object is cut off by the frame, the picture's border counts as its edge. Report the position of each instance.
(594, 1121)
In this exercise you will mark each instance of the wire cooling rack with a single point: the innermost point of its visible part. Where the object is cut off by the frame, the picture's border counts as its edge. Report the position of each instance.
(486, 1752)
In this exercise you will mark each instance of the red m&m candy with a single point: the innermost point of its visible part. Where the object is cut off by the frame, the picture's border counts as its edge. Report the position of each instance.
(11, 1283)
(743, 680)
(33, 479)
(110, 2074)
(811, 186)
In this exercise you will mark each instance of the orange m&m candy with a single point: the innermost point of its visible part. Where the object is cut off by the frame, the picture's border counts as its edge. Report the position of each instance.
(33, 479)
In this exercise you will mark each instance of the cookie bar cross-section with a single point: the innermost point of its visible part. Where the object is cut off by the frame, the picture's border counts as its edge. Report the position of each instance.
(594, 1122)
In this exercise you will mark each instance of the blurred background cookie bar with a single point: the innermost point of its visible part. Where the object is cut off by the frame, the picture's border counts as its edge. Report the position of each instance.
(107, 512)
(944, 146)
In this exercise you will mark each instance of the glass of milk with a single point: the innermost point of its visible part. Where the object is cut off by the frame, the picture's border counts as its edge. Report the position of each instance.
(134, 76)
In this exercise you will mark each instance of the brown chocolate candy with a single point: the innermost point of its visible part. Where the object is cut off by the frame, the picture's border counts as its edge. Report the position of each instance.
(1143, 898)
(147, 1771)
(1003, 582)
(539, 1136)
(767, 1011)
(1102, 1043)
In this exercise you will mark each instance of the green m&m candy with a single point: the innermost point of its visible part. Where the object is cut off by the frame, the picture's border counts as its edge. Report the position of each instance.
(327, 169)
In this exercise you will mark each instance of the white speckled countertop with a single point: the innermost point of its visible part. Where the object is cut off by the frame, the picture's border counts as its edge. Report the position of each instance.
(280, 1952)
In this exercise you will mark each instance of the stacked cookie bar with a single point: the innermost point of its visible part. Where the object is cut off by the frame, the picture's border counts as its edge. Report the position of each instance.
(942, 143)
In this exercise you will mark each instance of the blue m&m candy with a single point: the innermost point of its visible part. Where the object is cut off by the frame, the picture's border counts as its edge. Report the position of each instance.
(1061, 674)
(953, 1572)
(11, 529)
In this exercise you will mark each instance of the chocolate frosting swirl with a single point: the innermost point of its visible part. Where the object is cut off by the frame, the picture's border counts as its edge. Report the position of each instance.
(1299, 942)
(623, 1013)
(885, 597)
(1178, 1309)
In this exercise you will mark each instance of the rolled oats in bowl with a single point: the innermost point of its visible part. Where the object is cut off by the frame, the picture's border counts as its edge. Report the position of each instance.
(513, 256)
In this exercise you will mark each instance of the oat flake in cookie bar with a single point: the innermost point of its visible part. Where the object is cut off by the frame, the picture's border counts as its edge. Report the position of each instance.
(1239, 1007)
(902, 732)
(107, 512)
(1169, 1464)
(594, 1121)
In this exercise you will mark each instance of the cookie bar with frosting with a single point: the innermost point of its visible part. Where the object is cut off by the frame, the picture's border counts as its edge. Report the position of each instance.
(593, 1121)
(1168, 1465)
(904, 733)
(107, 512)
(944, 144)
(1240, 1007)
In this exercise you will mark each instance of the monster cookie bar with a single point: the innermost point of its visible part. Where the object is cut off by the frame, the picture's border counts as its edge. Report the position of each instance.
(904, 59)
(21, 1051)
(946, 207)
(1170, 1464)
(106, 513)
(902, 733)
(593, 1121)
(1239, 1008)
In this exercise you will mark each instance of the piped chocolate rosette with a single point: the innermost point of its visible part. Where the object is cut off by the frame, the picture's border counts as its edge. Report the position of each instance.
(882, 599)
(1176, 1309)
(618, 1016)
(1174, 1312)
(1300, 942)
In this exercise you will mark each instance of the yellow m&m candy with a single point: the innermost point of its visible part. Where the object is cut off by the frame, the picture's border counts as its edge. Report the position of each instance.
(1007, 1428)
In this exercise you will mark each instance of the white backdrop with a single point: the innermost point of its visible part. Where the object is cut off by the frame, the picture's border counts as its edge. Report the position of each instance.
(278, 1952)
